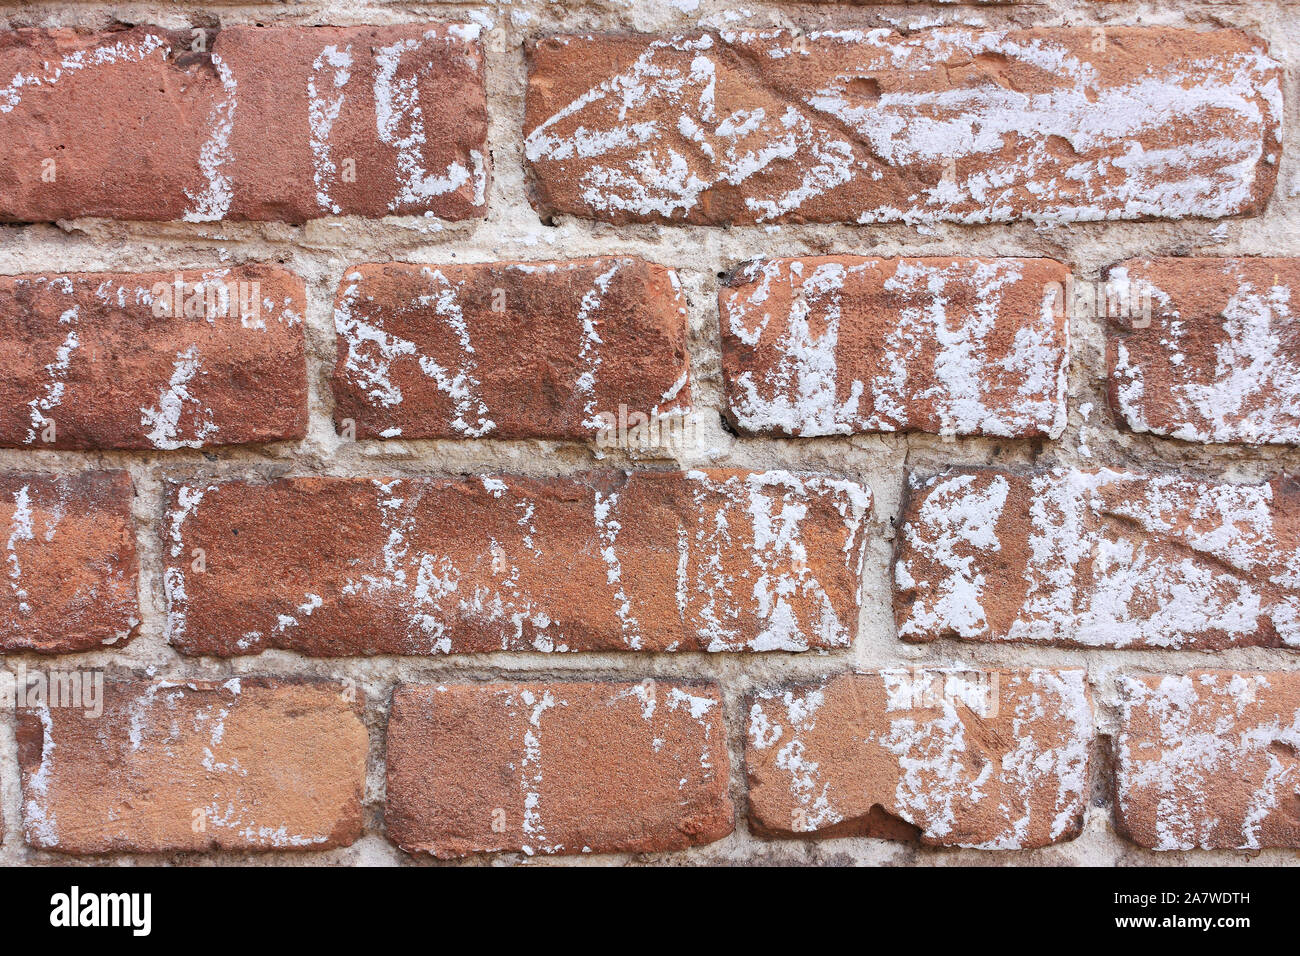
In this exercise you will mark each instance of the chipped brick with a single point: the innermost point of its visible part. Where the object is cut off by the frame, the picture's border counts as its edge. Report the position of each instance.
(995, 760)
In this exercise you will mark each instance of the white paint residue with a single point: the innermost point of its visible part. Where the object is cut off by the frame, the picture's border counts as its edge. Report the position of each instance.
(214, 202)
(761, 516)
(947, 742)
(800, 396)
(20, 529)
(973, 368)
(954, 518)
(1183, 737)
(648, 172)
(1114, 560)
(472, 415)
(946, 773)
(589, 357)
(164, 421)
(371, 350)
(607, 529)
(39, 821)
(149, 45)
(656, 138)
(399, 120)
(331, 71)
(1251, 392)
(52, 395)
(741, 575)
(933, 769)
(769, 727)
(187, 500)
(530, 779)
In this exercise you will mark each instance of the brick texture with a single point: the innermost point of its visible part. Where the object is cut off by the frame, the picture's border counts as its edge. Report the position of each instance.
(240, 765)
(841, 345)
(1099, 559)
(69, 563)
(876, 421)
(648, 561)
(508, 350)
(1209, 760)
(854, 126)
(152, 360)
(556, 768)
(266, 123)
(988, 759)
(1215, 355)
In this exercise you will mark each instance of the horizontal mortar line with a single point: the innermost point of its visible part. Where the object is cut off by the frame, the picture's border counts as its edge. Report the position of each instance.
(975, 449)
(805, 237)
(743, 667)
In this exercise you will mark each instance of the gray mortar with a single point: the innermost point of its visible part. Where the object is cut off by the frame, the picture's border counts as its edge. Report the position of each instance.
(321, 250)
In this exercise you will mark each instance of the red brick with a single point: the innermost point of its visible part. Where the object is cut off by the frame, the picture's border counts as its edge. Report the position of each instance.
(1215, 355)
(259, 126)
(990, 759)
(653, 561)
(1099, 559)
(838, 345)
(241, 765)
(1058, 124)
(110, 360)
(509, 349)
(557, 768)
(70, 562)
(1209, 760)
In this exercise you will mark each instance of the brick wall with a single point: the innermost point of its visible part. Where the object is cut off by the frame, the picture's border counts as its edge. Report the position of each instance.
(654, 431)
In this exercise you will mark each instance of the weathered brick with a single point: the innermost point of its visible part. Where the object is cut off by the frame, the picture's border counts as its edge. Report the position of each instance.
(1099, 559)
(152, 360)
(1215, 354)
(1058, 124)
(267, 123)
(70, 562)
(842, 344)
(508, 350)
(990, 759)
(653, 561)
(557, 768)
(1209, 760)
(241, 765)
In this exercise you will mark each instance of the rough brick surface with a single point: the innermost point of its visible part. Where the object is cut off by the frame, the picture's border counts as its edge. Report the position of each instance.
(508, 350)
(648, 561)
(69, 562)
(842, 344)
(152, 360)
(1099, 559)
(856, 126)
(987, 759)
(245, 764)
(267, 123)
(1219, 360)
(1209, 760)
(557, 768)
(592, 406)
